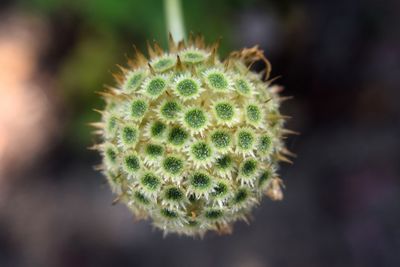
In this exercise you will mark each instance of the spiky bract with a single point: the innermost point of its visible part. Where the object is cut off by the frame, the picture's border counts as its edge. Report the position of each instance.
(191, 141)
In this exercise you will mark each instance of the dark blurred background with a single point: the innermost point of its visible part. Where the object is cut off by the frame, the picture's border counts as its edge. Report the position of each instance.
(339, 59)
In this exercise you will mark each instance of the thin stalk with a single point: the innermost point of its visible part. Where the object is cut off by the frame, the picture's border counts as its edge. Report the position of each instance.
(175, 25)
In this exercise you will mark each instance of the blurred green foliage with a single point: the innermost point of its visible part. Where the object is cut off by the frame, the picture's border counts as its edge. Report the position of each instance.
(84, 72)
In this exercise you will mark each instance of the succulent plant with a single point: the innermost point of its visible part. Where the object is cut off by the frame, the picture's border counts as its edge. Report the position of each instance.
(191, 141)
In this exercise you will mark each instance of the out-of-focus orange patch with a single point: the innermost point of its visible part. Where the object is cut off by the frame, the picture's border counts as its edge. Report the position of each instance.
(25, 110)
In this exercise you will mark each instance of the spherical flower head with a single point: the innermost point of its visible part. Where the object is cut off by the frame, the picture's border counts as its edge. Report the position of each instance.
(192, 142)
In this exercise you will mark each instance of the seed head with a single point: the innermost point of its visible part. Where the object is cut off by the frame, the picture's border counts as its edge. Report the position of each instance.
(190, 141)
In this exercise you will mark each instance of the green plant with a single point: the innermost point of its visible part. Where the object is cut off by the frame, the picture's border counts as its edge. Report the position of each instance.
(191, 141)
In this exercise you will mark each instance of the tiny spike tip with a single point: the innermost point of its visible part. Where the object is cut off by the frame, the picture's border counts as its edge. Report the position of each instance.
(190, 141)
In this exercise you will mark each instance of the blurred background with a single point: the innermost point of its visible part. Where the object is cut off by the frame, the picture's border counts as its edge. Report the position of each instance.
(339, 59)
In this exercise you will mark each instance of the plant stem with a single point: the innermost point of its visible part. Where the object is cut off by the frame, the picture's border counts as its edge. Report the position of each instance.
(173, 13)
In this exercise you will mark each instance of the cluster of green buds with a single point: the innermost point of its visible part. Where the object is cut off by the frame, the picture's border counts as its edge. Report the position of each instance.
(191, 141)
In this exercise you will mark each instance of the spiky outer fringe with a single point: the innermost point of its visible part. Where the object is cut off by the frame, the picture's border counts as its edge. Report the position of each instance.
(228, 194)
